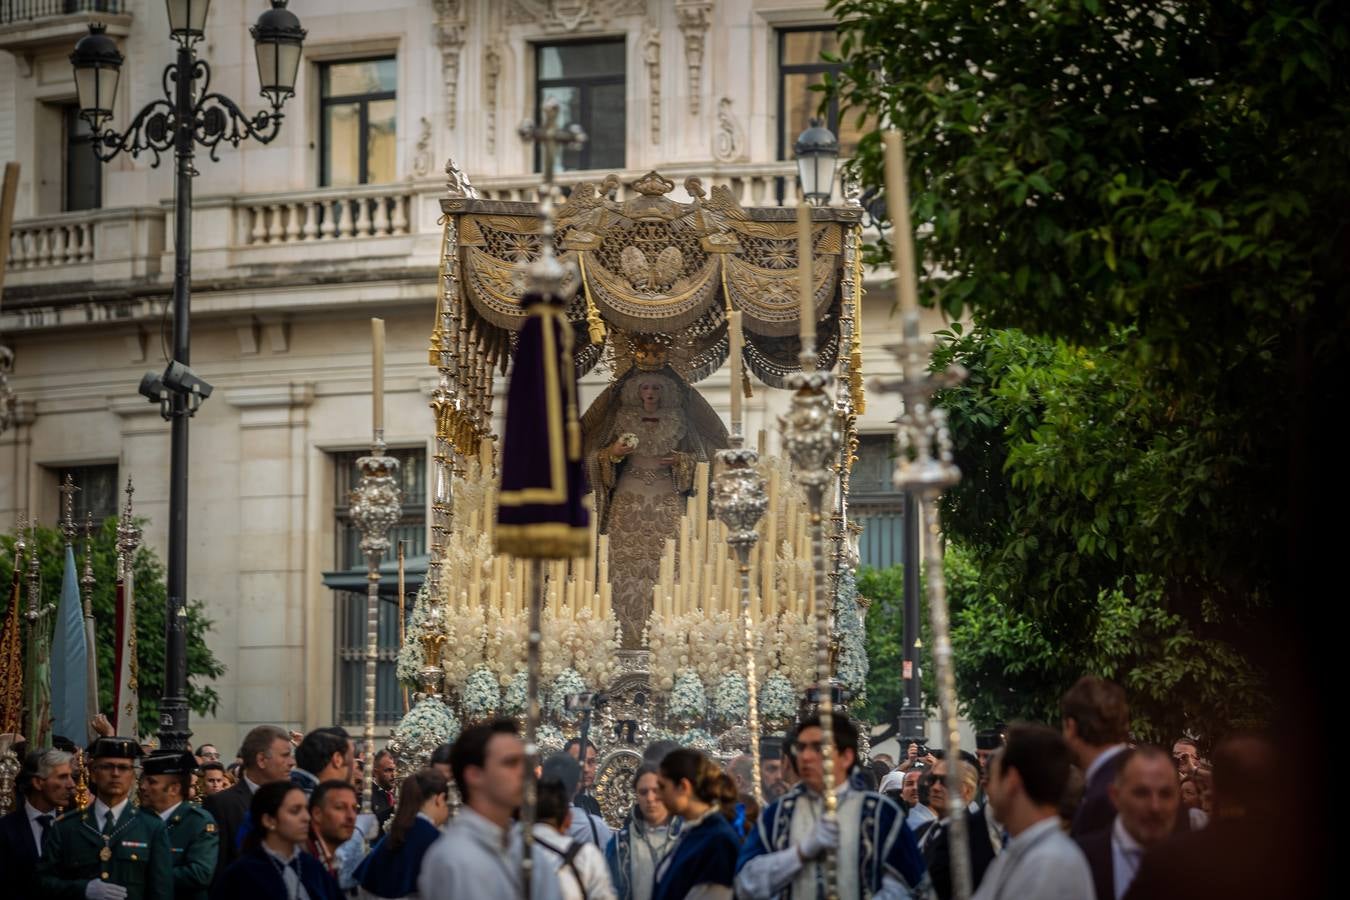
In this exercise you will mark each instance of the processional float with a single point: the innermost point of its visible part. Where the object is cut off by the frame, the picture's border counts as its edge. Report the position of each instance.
(749, 611)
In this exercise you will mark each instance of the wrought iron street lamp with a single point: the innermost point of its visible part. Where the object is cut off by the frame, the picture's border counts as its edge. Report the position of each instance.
(188, 114)
(817, 151)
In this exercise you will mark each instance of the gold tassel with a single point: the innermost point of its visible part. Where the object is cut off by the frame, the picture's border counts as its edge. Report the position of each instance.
(594, 324)
(437, 332)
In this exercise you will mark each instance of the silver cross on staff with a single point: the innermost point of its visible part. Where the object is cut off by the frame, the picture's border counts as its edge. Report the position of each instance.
(551, 138)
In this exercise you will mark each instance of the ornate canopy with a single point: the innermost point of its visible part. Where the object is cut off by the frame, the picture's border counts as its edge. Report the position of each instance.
(653, 268)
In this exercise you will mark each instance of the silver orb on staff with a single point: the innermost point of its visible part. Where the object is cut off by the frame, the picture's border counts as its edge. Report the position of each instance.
(376, 506)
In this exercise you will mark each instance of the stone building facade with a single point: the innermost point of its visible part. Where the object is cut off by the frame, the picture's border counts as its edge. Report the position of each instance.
(298, 242)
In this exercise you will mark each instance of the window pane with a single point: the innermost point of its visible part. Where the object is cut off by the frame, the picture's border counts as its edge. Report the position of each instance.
(84, 172)
(799, 106)
(569, 111)
(381, 153)
(342, 145)
(805, 47)
(97, 494)
(606, 130)
(581, 60)
(374, 76)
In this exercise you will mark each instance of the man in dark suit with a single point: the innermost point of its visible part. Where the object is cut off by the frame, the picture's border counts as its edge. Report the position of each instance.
(1096, 722)
(383, 797)
(268, 756)
(1146, 794)
(46, 786)
(1244, 852)
(937, 849)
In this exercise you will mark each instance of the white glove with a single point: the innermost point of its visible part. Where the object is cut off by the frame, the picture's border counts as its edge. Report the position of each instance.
(893, 889)
(103, 890)
(825, 836)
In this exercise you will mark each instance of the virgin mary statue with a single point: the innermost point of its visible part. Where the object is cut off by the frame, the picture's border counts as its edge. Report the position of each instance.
(643, 438)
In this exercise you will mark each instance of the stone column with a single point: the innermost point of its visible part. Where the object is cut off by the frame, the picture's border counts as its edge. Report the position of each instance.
(269, 621)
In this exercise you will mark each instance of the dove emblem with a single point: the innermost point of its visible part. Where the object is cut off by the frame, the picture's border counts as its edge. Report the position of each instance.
(651, 276)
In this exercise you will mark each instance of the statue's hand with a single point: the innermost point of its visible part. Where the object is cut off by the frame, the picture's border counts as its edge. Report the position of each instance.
(618, 450)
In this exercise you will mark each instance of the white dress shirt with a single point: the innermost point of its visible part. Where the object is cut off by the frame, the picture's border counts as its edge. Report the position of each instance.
(33, 823)
(102, 809)
(289, 876)
(1126, 854)
(1041, 863)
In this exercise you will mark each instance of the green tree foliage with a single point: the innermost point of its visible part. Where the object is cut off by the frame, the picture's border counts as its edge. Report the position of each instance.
(202, 665)
(1142, 207)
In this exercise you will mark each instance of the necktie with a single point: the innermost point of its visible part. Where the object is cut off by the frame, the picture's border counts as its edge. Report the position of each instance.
(44, 820)
(108, 823)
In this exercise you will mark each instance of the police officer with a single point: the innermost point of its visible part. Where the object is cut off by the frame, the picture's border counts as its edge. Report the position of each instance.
(166, 777)
(110, 850)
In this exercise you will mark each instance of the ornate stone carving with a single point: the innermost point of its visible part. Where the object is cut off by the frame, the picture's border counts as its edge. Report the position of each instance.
(422, 159)
(450, 25)
(492, 75)
(728, 139)
(651, 57)
(457, 182)
(694, 17)
(569, 15)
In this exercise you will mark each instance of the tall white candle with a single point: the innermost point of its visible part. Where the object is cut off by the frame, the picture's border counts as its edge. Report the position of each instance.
(734, 328)
(807, 286)
(377, 373)
(897, 202)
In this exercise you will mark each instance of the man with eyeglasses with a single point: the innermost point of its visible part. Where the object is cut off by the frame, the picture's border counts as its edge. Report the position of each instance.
(207, 753)
(875, 853)
(111, 850)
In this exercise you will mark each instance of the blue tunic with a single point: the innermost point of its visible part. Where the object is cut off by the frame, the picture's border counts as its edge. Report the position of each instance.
(705, 853)
(393, 873)
(881, 825)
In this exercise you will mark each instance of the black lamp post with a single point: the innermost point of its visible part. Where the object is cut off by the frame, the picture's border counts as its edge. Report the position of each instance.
(189, 114)
(817, 151)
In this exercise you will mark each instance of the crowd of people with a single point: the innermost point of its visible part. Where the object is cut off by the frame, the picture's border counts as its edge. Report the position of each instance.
(1076, 812)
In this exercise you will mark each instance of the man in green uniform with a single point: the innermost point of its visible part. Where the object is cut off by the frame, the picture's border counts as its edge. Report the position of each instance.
(166, 777)
(111, 850)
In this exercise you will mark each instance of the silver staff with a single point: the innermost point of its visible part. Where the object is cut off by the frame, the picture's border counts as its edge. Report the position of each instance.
(376, 506)
(924, 468)
(812, 437)
(546, 276)
(740, 502)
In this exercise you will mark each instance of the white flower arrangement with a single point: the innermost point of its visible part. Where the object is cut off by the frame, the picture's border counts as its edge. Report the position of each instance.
(549, 739)
(777, 697)
(568, 681)
(410, 655)
(688, 699)
(698, 739)
(480, 696)
(852, 666)
(629, 440)
(517, 696)
(731, 699)
(426, 726)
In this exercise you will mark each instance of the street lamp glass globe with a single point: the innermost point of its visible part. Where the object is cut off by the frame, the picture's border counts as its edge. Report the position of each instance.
(817, 151)
(187, 18)
(278, 40)
(98, 63)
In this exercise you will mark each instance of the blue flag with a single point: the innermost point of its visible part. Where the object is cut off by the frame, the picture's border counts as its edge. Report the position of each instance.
(70, 662)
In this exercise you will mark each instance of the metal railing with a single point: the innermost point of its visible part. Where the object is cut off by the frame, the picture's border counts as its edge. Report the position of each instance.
(12, 11)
